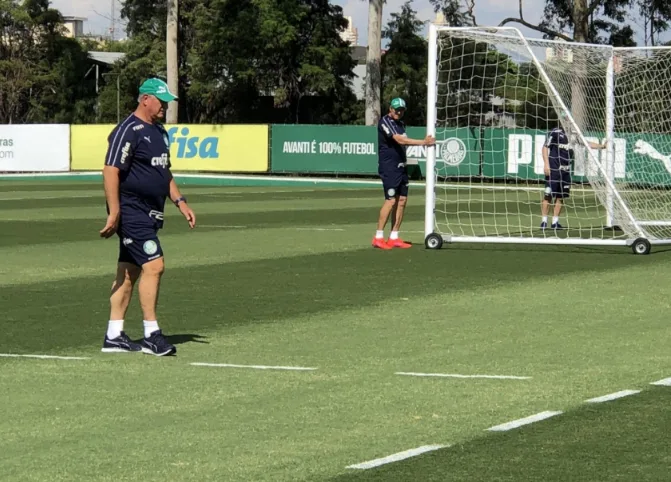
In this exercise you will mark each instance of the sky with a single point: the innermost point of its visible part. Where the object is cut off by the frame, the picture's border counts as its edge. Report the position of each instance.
(487, 13)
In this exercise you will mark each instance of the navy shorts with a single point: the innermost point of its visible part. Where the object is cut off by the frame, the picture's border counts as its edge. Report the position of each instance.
(138, 244)
(394, 183)
(558, 184)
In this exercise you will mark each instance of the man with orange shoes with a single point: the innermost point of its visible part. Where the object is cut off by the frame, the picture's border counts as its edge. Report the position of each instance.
(392, 140)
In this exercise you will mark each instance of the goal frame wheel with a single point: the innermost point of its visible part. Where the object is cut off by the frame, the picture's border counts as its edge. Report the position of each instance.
(433, 241)
(641, 246)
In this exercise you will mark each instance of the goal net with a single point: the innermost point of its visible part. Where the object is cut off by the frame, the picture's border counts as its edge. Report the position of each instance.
(494, 99)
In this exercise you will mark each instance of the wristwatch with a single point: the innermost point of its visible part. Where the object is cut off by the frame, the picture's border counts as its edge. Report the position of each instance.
(179, 200)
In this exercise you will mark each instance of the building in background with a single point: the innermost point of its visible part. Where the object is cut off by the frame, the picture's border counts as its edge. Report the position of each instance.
(74, 26)
(350, 34)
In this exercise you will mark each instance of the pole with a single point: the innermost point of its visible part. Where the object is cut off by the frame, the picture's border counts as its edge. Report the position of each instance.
(429, 206)
(118, 89)
(172, 61)
(610, 138)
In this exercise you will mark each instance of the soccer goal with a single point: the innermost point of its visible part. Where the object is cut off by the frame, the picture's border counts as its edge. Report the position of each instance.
(493, 97)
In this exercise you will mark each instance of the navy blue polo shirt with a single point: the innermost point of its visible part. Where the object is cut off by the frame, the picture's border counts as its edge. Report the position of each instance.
(560, 152)
(141, 151)
(391, 154)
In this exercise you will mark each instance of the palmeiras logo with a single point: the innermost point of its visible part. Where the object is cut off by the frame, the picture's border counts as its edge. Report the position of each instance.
(150, 247)
(453, 151)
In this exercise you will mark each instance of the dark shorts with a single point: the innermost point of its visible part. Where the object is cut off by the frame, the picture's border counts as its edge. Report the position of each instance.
(558, 184)
(394, 183)
(138, 244)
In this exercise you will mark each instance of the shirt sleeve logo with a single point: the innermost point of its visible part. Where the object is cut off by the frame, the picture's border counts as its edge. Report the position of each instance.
(124, 152)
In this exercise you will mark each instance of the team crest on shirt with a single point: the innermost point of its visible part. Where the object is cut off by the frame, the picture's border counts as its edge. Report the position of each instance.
(150, 247)
(166, 139)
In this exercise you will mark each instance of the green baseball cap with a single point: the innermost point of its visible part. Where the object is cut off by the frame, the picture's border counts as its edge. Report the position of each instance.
(158, 89)
(397, 103)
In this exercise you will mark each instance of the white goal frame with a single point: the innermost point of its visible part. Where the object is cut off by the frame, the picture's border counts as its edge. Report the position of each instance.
(640, 239)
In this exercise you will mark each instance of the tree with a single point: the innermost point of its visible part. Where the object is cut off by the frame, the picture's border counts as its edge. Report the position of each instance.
(245, 61)
(592, 21)
(373, 62)
(42, 73)
(297, 56)
(404, 65)
(454, 13)
(581, 16)
(656, 17)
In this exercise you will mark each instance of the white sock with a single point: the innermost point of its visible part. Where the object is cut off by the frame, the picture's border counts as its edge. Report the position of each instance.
(545, 219)
(555, 219)
(114, 329)
(393, 235)
(150, 327)
(379, 234)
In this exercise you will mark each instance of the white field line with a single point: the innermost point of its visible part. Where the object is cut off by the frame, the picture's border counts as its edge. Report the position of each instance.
(319, 229)
(613, 396)
(256, 367)
(38, 197)
(396, 457)
(523, 421)
(456, 375)
(43, 357)
(221, 226)
(662, 383)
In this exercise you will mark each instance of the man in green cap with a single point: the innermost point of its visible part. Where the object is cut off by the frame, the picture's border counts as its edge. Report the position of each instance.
(137, 180)
(392, 141)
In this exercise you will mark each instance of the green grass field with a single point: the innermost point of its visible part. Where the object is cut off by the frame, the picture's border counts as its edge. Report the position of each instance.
(281, 276)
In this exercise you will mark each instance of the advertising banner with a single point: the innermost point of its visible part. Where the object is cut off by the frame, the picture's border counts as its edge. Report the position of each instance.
(354, 150)
(324, 149)
(457, 151)
(34, 148)
(205, 148)
(638, 158)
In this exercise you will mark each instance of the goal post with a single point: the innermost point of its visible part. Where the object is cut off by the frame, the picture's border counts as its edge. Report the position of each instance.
(495, 95)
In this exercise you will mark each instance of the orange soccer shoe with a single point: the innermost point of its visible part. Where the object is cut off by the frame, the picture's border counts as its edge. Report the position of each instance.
(398, 243)
(380, 243)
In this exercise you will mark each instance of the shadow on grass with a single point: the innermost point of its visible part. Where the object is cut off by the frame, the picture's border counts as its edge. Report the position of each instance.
(51, 316)
(182, 338)
(622, 440)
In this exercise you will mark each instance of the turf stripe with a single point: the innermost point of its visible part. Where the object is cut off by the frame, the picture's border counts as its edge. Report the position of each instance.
(456, 375)
(613, 396)
(256, 367)
(523, 421)
(396, 457)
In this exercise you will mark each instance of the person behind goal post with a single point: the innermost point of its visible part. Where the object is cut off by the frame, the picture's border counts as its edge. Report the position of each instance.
(392, 140)
(557, 157)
